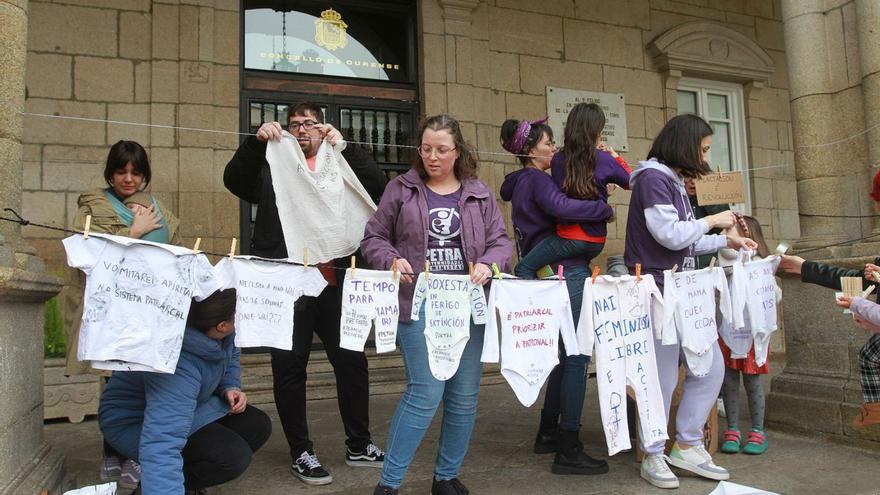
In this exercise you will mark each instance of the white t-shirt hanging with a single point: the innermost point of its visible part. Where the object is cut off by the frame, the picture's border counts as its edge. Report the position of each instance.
(689, 300)
(755, 296)
(369, 297)
(450, 303)
(265, 294)
(137, 299)
(623, 317)
(534, 313)
(324, 210)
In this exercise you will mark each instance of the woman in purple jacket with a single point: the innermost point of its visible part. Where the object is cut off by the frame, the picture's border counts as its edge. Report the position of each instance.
(538, 205)
(661, 231)
(440, 212)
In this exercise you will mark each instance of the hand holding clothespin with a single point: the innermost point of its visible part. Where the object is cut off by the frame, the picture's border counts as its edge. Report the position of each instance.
(872, 272)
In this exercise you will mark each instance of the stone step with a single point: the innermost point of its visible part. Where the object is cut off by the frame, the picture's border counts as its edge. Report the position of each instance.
(387, 376)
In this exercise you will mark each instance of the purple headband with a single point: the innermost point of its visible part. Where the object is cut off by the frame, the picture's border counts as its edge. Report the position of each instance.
(518, 140)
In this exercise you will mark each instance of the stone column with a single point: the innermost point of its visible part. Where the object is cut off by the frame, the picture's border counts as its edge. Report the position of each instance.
(868, 20)
(27, 463)
(823, 186)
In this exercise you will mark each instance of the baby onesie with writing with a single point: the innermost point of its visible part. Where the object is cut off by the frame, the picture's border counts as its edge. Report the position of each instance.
(325, 209)
(370, 297)
(450, 303)
(755, 296)
(689, 299)
(265, 295)
(618, 316)
(533, 315)
(137, 299)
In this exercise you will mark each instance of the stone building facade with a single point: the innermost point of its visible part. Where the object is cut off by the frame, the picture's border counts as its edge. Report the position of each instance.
(806, 72)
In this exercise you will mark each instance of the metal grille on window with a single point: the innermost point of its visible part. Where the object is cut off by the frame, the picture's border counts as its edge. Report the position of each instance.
(381, 133)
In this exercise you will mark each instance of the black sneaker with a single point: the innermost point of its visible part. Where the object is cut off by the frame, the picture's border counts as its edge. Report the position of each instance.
(372, 456)
(385, 490)
(448, 487)
(309, 470)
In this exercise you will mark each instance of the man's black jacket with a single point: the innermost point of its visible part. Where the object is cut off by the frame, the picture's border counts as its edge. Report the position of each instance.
(247, 176)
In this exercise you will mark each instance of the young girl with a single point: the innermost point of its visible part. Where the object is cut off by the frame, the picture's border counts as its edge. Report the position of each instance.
(751, 372)
(538, 205)
(661, 231)
(582, 171)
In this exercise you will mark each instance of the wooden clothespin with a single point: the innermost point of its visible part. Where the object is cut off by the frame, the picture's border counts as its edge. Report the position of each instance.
(674, 268)
(88, 226)
(559, 274)
(352, 267)
(867, 292)
(720, 173)
(232, 248)
(427, 269)
(305, 258)
(470, 268)
(596, 271)
(496, 271)
(394, 269)
(638, 272)
(712, 263)
(196, 245)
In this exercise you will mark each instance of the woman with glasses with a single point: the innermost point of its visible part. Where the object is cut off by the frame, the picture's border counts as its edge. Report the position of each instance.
(441, 213)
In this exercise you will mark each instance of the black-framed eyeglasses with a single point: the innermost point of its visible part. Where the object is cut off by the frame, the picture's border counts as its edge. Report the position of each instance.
(305, 124)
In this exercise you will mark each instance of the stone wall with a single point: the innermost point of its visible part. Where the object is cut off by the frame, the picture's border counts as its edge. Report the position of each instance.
(488, 60)
(165, 62)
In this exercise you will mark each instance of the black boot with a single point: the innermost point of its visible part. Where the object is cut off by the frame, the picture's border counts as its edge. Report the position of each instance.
(547, 439)
(571, 458)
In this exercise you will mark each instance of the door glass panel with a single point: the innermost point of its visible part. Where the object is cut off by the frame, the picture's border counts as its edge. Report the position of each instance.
(718, 107)
(687, 102)
(720, 151)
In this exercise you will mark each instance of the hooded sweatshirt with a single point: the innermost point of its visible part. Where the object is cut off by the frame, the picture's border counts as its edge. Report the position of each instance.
(661, 230)
(539, 204)
(608, 170)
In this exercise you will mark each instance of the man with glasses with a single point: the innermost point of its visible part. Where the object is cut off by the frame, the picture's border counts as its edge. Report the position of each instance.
(248, 176)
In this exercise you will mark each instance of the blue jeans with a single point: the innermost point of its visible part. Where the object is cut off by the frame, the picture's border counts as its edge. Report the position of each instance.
(553, 249)
(567, 383)
(420, 400)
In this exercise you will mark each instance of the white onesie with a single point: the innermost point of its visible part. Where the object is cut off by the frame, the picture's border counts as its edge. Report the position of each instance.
(369, 297)
(689, 299)
(265, 295)
(755, 296)
(324, 210)
(618, 315)
(450, 302)
(137, 299)
(533, 315)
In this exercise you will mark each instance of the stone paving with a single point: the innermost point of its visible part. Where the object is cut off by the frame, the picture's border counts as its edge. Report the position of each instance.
(500, 459)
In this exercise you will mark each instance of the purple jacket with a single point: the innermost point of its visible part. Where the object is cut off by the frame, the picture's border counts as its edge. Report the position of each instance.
(607, 171)
(399, 229)
(539, 204)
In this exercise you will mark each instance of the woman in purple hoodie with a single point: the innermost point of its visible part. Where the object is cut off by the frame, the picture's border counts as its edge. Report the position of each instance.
(538, 205)
(440, 212)
(661, 231)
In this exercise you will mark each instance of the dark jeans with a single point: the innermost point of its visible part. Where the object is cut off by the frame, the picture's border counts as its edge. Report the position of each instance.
(320, 315)
(567, 383)
(221, 451)
(553, 249)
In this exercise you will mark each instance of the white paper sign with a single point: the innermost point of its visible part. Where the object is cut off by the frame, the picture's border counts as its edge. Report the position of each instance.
(560, 101)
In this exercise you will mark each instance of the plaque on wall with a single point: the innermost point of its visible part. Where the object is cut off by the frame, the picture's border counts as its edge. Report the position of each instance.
(560, 101)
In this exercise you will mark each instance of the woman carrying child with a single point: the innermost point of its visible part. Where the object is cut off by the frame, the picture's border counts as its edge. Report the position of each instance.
(538, 205)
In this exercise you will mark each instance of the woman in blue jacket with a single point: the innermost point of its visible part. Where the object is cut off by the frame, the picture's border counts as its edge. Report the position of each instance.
(193, 428)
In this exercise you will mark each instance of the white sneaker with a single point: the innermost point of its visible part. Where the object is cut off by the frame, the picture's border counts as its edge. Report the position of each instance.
(656, 472)
(698, 461)
(722, 413)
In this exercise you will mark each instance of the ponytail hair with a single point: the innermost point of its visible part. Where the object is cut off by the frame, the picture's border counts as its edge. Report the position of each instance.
(585, 123)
